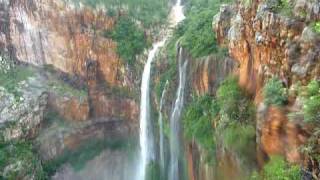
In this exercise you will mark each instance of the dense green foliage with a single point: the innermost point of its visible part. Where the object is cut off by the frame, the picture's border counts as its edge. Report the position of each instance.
(149, 12)
(199, 120)
(283, 7)
(311, 114)
(199, 38)
(130, 39)
(278, 169)
(196, 31)
(311, 107)
(18, 161)
(236, 126)
(241, 139)
(235, 107)
(274, 92)
(316, 27)
(195, 6)
(229, 117)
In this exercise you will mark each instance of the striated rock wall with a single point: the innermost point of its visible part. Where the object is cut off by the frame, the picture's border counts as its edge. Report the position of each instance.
(208, 72)
(268, 43)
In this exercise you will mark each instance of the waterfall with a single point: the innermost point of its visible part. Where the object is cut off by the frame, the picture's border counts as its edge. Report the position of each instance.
(146, 133)
(160, 123)
(175, 121)
(147, 146)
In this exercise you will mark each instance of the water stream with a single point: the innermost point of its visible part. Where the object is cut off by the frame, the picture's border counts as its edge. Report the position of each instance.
(161, 135)
(175, 143)
(147, 145)
(146, 130)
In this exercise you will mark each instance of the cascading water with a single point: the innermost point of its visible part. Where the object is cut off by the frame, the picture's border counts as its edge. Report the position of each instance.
(160, 123)
(146, 133)
(174, 173)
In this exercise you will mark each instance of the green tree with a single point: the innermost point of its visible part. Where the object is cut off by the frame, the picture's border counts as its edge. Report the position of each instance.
(199, 120)
(130, 39)
(311, 107)
(278, 169)
(274, 92)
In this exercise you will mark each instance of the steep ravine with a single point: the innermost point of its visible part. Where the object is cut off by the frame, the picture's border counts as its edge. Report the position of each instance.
(244, 105)
(70, 94)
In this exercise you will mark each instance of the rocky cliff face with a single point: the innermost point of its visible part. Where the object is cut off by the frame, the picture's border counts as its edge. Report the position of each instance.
(266, 42)
(207, 73)
(80, 89)
(21, 118)
(56, 33)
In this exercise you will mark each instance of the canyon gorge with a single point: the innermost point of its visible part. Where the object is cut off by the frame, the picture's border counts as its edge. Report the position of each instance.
(159, 89)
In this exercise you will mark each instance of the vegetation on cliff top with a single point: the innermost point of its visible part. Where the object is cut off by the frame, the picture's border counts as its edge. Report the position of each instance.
(198, 36)
(130, 39)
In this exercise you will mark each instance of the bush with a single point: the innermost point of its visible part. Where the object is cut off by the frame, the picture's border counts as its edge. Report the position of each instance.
(283, 7)
(274, 92)
(18, 161)
(241, 139)
(278, 169)
(195, 6)
(235, 107)
(199, 38)
(130, 39)
(311, 107)
(199, 119)
(316, 27)
(229, 95)
(229, 117)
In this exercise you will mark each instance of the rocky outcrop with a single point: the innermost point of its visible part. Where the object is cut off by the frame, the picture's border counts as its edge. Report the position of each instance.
(266, 42)
(70, 39)
(21, 117)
